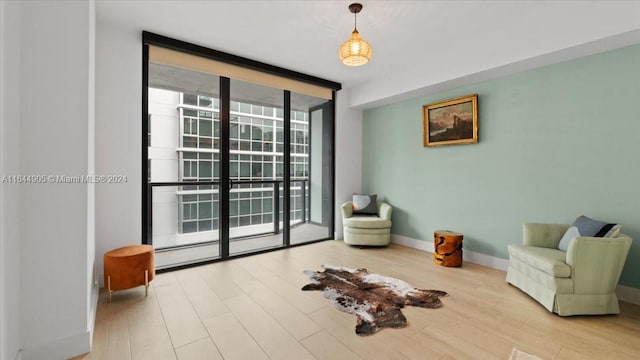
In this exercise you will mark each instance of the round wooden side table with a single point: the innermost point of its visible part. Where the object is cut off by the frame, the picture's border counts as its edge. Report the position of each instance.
(447, 248)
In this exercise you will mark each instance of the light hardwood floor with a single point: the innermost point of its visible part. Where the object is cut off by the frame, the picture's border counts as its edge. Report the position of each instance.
(252, 308)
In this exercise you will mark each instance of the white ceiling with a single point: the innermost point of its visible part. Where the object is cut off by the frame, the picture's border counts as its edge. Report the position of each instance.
(416, 44)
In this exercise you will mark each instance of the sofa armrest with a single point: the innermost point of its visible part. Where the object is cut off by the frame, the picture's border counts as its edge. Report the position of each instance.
(384, 210)
(347, 209)
(596, 263)
(543, 235)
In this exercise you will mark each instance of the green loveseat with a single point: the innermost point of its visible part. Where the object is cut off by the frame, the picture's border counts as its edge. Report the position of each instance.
(581, 281)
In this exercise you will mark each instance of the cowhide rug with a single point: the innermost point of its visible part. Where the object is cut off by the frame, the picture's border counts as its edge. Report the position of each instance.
(375, 299)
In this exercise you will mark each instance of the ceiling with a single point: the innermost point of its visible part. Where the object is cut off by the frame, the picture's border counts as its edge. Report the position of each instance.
(416, 44)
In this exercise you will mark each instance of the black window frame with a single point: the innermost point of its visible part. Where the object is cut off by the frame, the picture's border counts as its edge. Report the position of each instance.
(149, 38)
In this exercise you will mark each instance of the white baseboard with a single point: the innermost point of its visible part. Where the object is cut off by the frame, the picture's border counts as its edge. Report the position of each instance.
(95, 294)
(467, 255)
(64, 348)
(412, 243)
(624, 293)
(628, 294)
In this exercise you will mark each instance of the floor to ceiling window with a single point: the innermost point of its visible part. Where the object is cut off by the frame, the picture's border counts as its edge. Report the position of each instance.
(238, 159)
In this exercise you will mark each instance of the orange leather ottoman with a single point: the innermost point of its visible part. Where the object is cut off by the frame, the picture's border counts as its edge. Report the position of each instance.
(128, 267)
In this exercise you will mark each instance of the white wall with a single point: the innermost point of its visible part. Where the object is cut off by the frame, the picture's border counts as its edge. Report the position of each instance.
(118, 137)
(55, 100)
(92, 285)
(348, 154)
(9, 165)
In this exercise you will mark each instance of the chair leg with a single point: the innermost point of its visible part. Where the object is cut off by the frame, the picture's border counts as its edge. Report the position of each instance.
(109, 286)
(146, 283)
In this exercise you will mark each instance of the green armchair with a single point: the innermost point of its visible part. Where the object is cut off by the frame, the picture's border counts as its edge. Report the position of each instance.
(581, 281)
(370, 230)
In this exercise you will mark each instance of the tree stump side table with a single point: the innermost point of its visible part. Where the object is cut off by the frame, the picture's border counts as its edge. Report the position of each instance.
(447, 248)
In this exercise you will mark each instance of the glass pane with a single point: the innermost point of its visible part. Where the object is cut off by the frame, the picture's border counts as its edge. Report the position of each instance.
(190, 141)
(233, 208)
(186, 170)
(254, 226)
(204, 211)
(310, 208)
(205, 169)
(183, 216)
(256, 133)
(204, 143)
(190, 99)
(245, 207)
(268, 170)
(205, 225)
(245, 131)
(205, 101)
(244, 221)
(244, 170)
(234, 131)
(205, 127)
(256, 170)
(256, 206)
(189, 227)
(233, 170)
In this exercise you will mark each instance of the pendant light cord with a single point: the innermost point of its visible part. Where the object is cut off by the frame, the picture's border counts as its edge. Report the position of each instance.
(355, 21)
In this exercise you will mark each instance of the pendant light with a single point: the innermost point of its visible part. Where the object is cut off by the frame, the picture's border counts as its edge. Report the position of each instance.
(356, 51)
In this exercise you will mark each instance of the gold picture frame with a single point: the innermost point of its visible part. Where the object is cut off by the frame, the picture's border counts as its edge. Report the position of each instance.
(451, 122)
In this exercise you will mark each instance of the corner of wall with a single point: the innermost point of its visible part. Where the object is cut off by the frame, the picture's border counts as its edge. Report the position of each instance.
(10, 69)
(61, 326)
(348, 162)
(92, 283)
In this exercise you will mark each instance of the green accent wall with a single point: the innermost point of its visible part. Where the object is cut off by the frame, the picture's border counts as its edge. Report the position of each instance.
(554, 143)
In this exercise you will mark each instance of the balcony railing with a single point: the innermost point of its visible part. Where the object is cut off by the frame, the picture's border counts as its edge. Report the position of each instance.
(298, 214)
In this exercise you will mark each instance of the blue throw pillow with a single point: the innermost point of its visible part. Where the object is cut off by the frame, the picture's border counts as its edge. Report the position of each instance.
(585, 226)
(365, 204)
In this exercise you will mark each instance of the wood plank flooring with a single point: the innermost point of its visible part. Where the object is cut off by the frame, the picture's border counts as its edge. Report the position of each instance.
(253, 308)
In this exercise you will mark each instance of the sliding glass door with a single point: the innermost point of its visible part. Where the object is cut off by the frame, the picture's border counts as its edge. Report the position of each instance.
(255, 167)
(310, 161)
(232, 166)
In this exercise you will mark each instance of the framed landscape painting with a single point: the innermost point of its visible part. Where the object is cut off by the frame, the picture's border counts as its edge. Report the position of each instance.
(451, 122)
